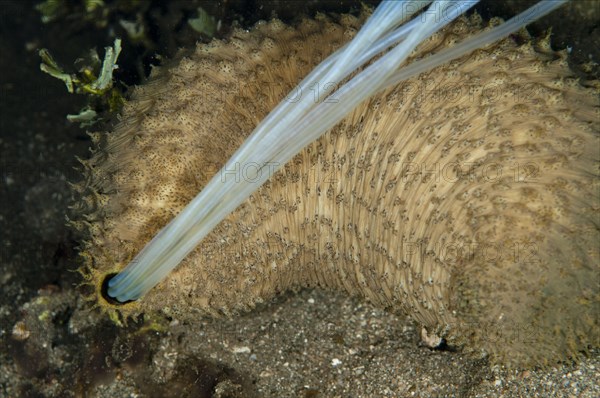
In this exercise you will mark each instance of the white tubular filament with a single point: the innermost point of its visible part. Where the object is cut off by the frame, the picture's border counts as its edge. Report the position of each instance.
(293, 125)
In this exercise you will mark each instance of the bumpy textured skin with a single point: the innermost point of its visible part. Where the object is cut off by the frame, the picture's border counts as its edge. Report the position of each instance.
(466, 197)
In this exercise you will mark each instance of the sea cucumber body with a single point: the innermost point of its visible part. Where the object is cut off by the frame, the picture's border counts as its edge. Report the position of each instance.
(466, 197)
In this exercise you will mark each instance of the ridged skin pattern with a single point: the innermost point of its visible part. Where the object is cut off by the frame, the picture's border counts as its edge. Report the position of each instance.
(466, 197)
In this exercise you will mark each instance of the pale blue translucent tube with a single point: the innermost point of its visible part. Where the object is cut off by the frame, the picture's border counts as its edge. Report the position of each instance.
(206, 226)
(290, 127)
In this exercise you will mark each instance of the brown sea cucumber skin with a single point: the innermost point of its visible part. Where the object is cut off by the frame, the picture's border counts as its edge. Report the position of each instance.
(466, 197)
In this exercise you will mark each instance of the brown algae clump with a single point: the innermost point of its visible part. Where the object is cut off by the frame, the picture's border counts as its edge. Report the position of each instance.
(466, 197)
